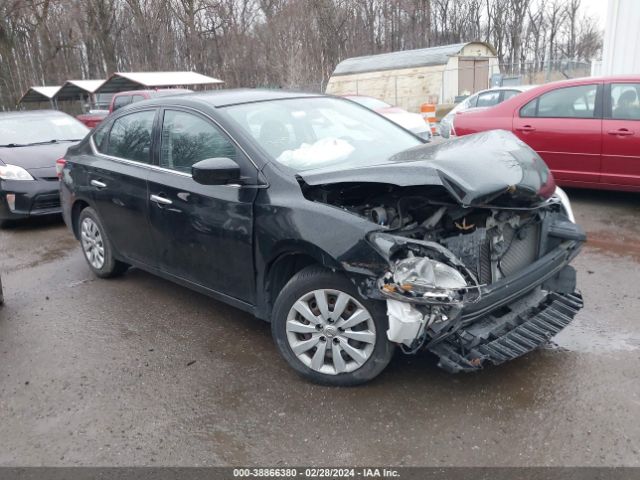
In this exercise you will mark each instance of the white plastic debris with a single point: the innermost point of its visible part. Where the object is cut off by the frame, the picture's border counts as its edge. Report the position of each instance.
(405, 322)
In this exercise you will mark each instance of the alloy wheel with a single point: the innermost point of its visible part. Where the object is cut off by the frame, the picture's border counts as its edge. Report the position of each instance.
(330, 331)
(92, 243)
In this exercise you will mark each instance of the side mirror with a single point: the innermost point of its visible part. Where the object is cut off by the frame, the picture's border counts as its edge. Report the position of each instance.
(216, 171)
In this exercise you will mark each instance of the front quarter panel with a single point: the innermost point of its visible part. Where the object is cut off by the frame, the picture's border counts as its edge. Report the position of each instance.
(287, 223)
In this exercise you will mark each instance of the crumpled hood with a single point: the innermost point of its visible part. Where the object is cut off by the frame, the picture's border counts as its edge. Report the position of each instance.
(36, 156)
(493, 167)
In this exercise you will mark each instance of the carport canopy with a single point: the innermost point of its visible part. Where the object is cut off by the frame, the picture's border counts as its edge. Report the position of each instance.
(123, 81)
(77, 89)
(39, 94)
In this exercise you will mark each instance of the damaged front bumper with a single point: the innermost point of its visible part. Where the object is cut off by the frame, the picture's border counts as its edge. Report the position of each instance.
(528, 324)
(490, 324)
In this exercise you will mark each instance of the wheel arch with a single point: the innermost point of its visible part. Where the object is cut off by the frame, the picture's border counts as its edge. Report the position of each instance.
(78, 206)
(288, 260)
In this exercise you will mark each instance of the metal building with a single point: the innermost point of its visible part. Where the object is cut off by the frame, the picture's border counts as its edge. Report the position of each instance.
(411, 77)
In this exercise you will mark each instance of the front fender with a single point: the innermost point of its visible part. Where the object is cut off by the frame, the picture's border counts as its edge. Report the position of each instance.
(287, 223)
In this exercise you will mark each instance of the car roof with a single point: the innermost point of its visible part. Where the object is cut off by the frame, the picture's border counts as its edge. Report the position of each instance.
(521, 88)
(588, 80)
(223, 98)
(353, 95)
(31, 113)
(154, 91)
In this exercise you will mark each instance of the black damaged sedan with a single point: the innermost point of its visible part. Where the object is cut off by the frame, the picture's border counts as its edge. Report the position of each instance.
(30, 144)
(345, 231)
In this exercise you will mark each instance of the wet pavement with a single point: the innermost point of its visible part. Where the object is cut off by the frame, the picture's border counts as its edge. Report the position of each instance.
(139, 371)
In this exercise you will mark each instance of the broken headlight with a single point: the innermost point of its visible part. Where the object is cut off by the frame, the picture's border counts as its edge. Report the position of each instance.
(422, 272)
(422, 275)
(424, 278)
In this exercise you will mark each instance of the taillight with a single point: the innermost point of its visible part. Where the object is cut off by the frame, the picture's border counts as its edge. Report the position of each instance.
(60, 163)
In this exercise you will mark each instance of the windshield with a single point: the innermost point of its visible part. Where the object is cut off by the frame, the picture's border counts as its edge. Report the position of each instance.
(30, 129)
(308, 133)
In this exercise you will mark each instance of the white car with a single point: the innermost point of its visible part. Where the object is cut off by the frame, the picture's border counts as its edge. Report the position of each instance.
(481, 99)
(407, 120)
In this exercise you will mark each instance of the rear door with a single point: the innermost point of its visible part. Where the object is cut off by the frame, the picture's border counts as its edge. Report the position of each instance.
(118, 182)
(565, 127)
(621, 134)
(204, 233)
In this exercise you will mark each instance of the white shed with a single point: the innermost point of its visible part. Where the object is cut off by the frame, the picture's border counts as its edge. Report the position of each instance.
(410, 78)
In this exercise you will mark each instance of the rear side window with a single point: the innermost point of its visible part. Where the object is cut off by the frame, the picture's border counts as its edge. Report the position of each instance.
(121, 101)
(507, 94)
(100, 136)
(130, 136)
(137, 98)
(625, 101)
(568, 102)
(488, 99)
(189, 138)
(470, 102)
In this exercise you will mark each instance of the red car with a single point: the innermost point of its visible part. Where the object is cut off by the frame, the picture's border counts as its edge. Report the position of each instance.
(93, 118)
(122, 99)
(587, 130)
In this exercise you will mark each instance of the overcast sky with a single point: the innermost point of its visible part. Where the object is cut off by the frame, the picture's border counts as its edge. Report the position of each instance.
(597, 8)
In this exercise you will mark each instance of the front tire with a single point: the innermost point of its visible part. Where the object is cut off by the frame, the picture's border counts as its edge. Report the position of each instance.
(327, 332)
(96, 246)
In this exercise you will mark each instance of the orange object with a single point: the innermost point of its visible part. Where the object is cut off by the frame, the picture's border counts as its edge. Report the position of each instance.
(428, 112)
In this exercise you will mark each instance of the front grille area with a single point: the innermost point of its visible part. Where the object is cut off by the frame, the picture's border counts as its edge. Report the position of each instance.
(517, 248)
(522, 248)
(484, 264)
(534, 332)
(46, 202)
(500, 339)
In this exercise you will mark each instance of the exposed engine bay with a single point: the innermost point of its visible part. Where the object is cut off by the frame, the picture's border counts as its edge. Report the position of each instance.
(444, 257)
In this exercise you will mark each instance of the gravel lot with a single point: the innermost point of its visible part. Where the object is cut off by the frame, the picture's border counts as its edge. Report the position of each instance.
(139, 371)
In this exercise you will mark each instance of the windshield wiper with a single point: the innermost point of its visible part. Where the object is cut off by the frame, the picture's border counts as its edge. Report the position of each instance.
(55, 140)
(47, 142)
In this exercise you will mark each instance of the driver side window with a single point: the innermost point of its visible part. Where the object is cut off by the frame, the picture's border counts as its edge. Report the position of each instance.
(189, 138)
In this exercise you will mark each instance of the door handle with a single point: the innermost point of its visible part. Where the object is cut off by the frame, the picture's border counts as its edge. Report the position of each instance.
(622, 132)
(98, 184)
(525, 128)
(160, 200)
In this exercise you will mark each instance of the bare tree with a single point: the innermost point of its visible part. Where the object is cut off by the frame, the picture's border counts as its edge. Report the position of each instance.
(275, 43)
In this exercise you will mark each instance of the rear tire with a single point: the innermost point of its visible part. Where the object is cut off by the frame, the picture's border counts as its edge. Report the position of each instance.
(96, 246)
(327, 332)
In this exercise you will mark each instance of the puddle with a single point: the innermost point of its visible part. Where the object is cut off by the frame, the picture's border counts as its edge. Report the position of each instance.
(587, 339)
(617, 245)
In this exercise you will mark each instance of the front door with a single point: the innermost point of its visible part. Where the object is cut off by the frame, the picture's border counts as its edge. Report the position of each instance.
(621, 135)
(118, 182)
(203, 233)
(565, 127)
